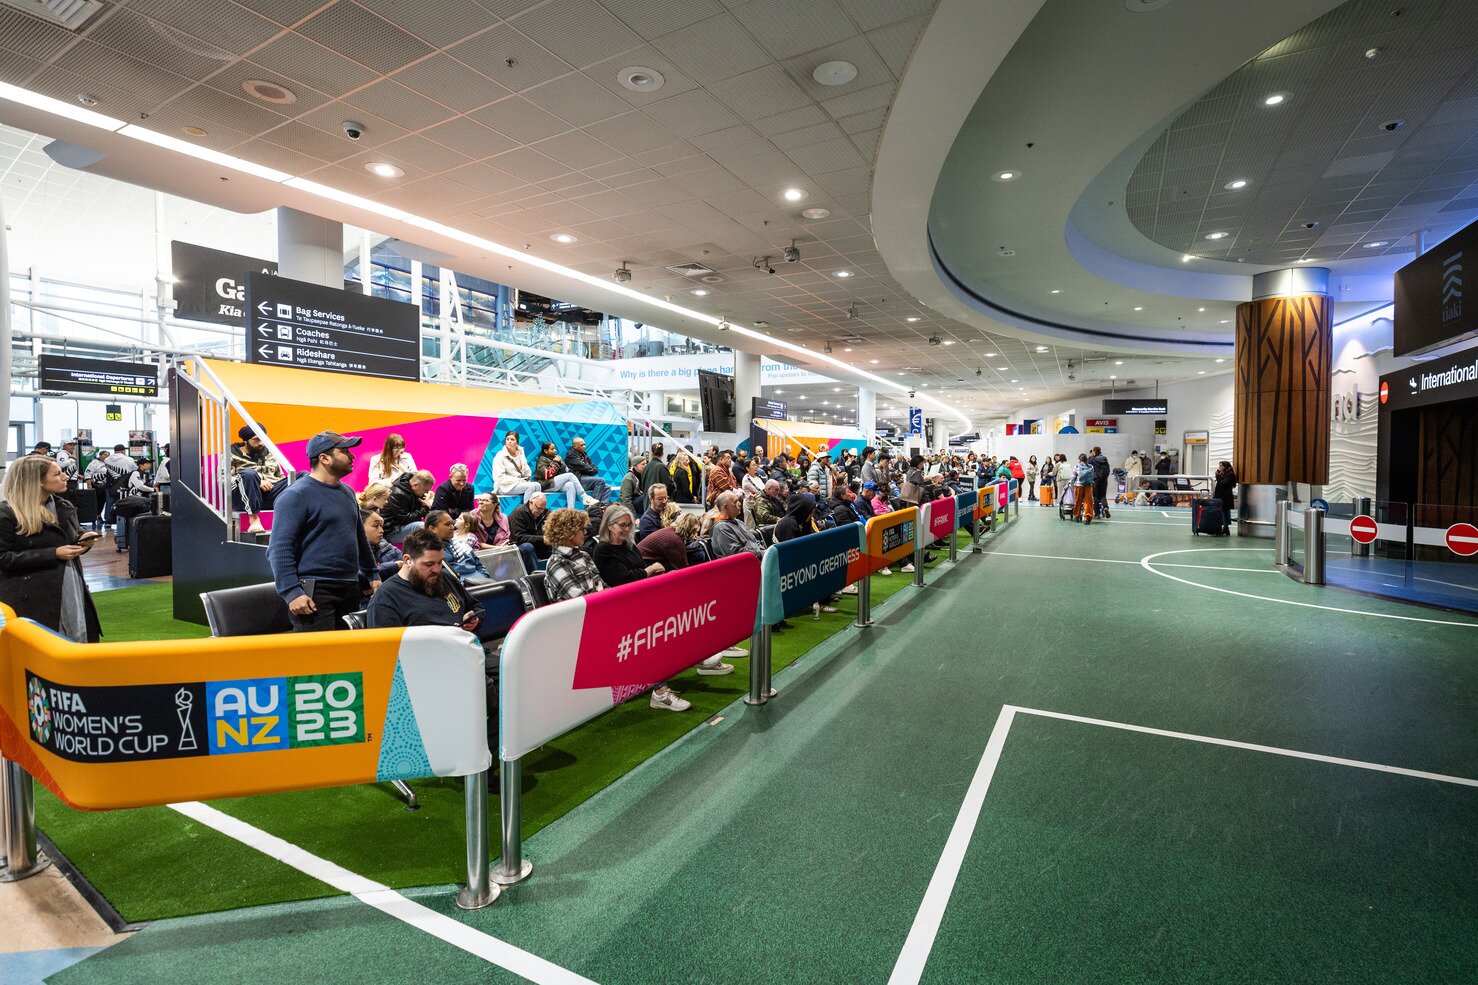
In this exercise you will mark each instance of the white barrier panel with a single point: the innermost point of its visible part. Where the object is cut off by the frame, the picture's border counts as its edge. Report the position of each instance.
(565, 663)
(936, 520)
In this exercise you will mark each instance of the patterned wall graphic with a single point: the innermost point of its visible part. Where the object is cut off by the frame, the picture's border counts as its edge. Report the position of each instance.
(1284, 350)
(1352, 450)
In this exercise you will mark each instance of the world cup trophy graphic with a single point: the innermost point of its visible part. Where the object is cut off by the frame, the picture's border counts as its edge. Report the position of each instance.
(184, 703)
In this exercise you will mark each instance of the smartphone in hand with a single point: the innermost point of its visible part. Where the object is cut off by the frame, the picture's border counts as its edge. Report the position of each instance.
(88, 536)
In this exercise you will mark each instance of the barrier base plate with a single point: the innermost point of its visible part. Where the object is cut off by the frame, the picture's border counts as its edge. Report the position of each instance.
(42, 864)
(750, 701)
(510, 878)
(466, 901)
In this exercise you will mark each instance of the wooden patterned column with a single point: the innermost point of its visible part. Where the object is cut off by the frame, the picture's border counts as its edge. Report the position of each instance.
(1283, 355)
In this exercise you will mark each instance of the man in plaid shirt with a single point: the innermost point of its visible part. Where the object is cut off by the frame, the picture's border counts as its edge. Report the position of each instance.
(721, 477)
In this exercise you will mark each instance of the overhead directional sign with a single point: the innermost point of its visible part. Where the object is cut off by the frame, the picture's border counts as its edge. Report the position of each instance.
(208, 284)
(290, 323)
(71, 374)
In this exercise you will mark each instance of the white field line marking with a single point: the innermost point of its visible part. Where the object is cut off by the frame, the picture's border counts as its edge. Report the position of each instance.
(909, 968)
(1109, 560)
(1145, 562)
(910, 965)
(386, 900)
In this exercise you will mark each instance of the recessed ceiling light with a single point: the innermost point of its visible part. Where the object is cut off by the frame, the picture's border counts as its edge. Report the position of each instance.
(1200, 372)
(1056, 291)
(817, 213)
(699, 292)
(1041, 348)
(1015, 381)
(1118, 362)
(1186, 258)
(1200, 309)
(269, 92)
(1373, 52)
(1010, 174)
(842, 273)
(873, 361)
(949, 341)
(196, 131)
(1276, 98)
(912, 318)
(1221, 360)
(1000, 369)
(1226, 321)
(847, 349)
(1309, 260)
(1113, 377)
(836, 73)
(1235, 184)
(1376, 245)
(639, 78)
(384, 169)
(794, 194)
(1139, 308)
(989, 355)
(1216, 235)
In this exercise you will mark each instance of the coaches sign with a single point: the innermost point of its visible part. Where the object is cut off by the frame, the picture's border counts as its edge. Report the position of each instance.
(69, 374)
(211, 284)
(290, 323)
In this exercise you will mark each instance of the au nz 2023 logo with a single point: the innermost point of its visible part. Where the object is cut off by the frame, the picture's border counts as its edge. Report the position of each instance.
(268, 713)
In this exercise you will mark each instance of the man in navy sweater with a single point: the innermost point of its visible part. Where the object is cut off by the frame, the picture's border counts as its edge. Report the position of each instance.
(320, 557)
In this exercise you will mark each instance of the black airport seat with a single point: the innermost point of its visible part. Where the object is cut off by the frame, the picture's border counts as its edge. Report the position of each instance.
(538, 589)
(767, 534)
(255, 610)
(502, 605)
(355, 620)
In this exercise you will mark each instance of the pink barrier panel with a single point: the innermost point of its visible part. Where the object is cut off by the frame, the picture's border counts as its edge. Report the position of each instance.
(938, 520)
(565, 663)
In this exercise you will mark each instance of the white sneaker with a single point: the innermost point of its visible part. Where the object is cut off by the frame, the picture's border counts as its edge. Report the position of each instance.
(907, 568)
(886, 572)
(849, 590)
(733, 651)
(667, 700)
(716, 670)
(819, 608)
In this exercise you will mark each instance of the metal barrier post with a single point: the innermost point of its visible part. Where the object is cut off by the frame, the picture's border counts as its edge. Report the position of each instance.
(759, 667)
(864, 602)
(479, 891)
(512, 867)
(918, 566)
(1313, 546)
(1362, 508)
(974, 534)
(954, 545)
(1016, 502)
(1281, 545)
(23, 860)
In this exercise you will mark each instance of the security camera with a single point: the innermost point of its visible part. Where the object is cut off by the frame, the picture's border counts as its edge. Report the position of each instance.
(622, 275)
(1391, 126)
(910, 395)
(353, 129)
(762, 263)
(792, 254)
(723, 324)
(1070, 376)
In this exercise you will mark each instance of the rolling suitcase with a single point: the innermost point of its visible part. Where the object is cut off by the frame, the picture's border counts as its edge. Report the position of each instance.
(149, 547)
(1208, 517)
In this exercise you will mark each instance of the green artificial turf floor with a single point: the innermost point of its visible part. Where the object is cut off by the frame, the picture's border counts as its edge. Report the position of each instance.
(151, 863)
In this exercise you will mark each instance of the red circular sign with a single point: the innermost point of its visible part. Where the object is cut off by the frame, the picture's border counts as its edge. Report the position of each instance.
(1363, 529)
(1462, 539)
(1385, 392)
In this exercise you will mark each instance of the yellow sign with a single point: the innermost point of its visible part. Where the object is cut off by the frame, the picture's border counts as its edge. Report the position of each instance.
(890, 537)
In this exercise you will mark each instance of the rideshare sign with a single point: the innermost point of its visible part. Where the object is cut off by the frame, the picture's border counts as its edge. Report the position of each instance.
(807, 569)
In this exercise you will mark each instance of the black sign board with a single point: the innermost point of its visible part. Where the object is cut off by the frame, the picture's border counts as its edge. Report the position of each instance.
(114, 412)
(716, 399)
(290, 323)
(211, 284)
(70, 374)
(1113, 408)
(773, 410)
(1429, 296)
(1439, 381)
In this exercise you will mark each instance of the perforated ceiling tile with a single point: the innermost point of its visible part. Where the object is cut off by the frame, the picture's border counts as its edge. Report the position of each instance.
(530, 165)
(32, 36)
(470, 137)
(577, 99)
(295, 57)
(895, 43)
(692, 114)
(121, 71)
(631, 133)
(401, 106)
(872, 14)
(435, 21)
(807, 135)
(876, 97)
(304, 139)
(485, 178)
(450, 83)
(712, 50)
(364, 37)
(375, 133)
(656, 193)
(285, 12)
(156, 44)
(786, 29)
(517, 117)
(209, 107)
(764, 92)
(491, 51)
(580, 31)
(827, 156)
(795, 119)
(578, 149)
(16, 69)
(419, 154)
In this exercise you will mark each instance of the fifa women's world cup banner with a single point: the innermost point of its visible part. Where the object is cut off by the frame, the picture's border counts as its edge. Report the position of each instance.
(938, 520)
(564, 664)
(112, 725)
(805, 570)
(890, 538)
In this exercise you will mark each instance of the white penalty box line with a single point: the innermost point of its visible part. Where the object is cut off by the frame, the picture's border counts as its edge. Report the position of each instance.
(909, 968)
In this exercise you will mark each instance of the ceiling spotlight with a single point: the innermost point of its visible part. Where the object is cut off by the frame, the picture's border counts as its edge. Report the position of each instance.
(1236, 184)
(792, 254)
(1113, 377)
(1118, 362)
(839, 273)
(1186, 258)
(1308, 260)
(1221, 360)
(1376, 245)
(639, 78)
(815, 213)
(1373, 52)
(1056, 291)
(622, 275)
(1041, 348)
(383, 169)
(1216, 235)
(565, 238)
(1276, 98)
(1200, 309)
(269, 92)
(699, 292)
(1000, 369)
(846, 348)
(873, 361)
(836, 73)
(912, 318)
(1200, 372)
(1015, 381)
(1010, 174)
(1226, 321)
(794, 194)
(1139, 307)
(949, 341)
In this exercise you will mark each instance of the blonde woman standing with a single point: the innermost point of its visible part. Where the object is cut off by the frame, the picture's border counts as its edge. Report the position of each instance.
(41, 545)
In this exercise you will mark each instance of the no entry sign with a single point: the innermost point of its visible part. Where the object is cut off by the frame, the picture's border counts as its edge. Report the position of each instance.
(1462, 539)
(1363, 529)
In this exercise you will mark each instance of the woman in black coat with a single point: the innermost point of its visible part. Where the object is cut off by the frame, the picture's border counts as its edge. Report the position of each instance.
(615, 554)
(1225, 488)
(41, 544)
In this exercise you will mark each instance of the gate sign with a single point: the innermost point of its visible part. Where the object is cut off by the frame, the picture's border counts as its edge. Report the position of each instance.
(938, 520)
(113, 725)
(807, 569)
(564, 664)
(1462, 539)
(209, 285)
(890, 538)
(1363, 529)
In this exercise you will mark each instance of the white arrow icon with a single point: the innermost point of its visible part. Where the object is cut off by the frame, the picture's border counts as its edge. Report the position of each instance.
(265, 351)
(263, 308)
(266, 331)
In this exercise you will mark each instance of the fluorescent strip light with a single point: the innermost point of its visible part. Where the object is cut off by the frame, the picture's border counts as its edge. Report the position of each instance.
(55, 106)
(203, 153)
(344, 198)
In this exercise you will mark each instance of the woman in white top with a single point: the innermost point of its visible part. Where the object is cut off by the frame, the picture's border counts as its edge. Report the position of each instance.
(392, 460)
(511, 475)
(754, 481)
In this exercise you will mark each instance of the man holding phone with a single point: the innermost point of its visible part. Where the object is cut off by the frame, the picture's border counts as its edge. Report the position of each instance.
(423, 593)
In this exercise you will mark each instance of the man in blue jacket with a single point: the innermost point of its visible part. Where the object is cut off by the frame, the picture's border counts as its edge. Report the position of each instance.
(320, 557)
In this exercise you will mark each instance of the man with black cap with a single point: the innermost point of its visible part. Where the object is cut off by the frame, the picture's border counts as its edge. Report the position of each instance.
(320, 557)
(256, 477)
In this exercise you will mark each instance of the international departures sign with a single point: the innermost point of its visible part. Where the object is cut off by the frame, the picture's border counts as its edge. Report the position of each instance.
(71, 374)
(292, 323)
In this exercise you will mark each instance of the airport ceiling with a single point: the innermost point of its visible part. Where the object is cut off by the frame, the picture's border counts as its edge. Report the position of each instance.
(510, 121)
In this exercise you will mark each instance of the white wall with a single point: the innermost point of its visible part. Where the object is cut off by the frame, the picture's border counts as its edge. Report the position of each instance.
(1362, 355)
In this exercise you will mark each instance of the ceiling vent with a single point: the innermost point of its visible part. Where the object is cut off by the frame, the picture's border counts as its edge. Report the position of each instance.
(686, 269)
(71, 14)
